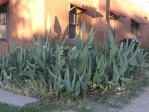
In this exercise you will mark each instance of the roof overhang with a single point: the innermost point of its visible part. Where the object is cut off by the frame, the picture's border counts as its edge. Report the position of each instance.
(3, 2)
(81, 4)
(139, 20)
(117, 14)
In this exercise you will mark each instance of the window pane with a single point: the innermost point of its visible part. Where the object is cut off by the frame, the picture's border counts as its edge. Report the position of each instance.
(72, 31)
(134, 28)
(112, 25)
(2, 31)
(3, 18)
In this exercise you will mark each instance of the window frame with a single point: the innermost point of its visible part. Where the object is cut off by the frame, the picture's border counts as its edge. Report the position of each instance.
(113, 17)
(3, 10)
(74, 21)
(134, 28)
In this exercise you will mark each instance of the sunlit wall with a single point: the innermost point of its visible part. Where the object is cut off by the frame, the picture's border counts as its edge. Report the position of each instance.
(58, 10)
(28, 17)
(25, 18)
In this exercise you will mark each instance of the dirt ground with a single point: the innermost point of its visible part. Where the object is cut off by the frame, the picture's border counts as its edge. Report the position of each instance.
(138, 104)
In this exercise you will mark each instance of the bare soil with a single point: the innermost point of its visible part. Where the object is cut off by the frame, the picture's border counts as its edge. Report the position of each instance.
(140, 102)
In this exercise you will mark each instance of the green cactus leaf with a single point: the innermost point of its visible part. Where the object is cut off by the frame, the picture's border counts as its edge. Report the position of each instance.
(95, 78)
(69, 92)
(74, 79)
(115, 68)
(77, 88)
(67, 79)
(124, 79)
(52, 74)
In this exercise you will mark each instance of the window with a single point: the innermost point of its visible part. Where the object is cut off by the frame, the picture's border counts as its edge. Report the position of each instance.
(74, 21)
(113, 17)
(3, 26)
(76, 9)
(3, 22)
(134, 28)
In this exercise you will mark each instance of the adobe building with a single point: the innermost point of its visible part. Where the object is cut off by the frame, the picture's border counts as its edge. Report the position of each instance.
(20, 20)
(132, 20)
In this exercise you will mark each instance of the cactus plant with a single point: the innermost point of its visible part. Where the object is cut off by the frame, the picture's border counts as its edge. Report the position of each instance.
(72, 70)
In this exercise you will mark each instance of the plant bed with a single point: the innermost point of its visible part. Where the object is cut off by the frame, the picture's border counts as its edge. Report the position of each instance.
(43, 70)
(105, 103)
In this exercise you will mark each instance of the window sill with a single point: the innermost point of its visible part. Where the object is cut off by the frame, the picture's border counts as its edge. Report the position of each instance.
(2, 23)
(75, 24)
(4, 40)
(71, 39)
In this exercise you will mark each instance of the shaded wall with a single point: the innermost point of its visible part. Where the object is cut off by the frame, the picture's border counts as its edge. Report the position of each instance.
(123, 25)
(145, 36)
(96, 19)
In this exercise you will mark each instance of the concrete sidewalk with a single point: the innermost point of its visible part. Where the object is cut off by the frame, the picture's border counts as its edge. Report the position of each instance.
(140, 104)
(15, 99)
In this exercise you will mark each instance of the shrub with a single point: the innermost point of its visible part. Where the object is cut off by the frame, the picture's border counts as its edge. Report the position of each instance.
(71, 71)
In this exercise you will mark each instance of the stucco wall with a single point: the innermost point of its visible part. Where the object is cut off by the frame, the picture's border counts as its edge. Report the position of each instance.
(28, 17)
(25, 18)
(59, 16)
(123, 25)
(145, 36)
(96, 19)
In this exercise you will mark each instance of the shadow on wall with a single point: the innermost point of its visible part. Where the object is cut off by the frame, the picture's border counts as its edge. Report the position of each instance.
(93, 13)
(92, 19)
(58, 28)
